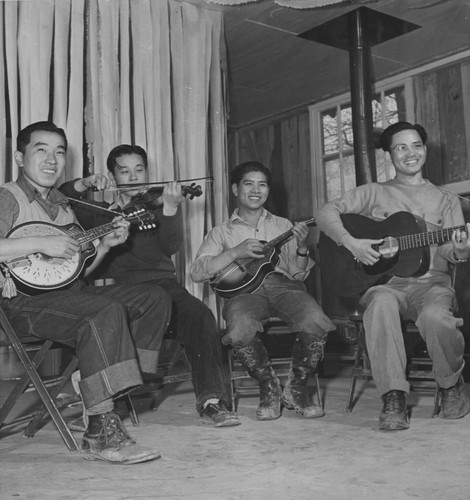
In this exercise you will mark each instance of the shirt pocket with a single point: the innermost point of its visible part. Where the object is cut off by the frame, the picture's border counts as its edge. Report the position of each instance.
(434, 220)
(381, 213)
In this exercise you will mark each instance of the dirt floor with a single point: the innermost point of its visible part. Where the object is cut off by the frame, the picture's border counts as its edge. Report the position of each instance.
(338, 457)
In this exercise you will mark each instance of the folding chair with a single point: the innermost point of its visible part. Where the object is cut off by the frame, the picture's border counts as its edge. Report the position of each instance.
(32, 378)
(281, 364)
(419, 366)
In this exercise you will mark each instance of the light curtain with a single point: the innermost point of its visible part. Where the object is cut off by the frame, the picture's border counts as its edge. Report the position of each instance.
(37, 79)
(123, 71)
(170, 80)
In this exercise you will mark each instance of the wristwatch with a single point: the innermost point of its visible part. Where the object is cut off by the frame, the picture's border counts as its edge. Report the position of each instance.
(300, 254)
(455, 258)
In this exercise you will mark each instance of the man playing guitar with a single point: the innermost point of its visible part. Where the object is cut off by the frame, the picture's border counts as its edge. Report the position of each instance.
(426, 297)
(280, 293)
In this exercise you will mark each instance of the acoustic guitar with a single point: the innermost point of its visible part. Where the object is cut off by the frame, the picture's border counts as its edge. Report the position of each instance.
(40, 272)
(247, 275)
(404, 252)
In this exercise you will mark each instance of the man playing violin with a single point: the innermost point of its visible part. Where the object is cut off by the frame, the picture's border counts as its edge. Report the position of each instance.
(116, 331)
(281, 294)
(428, 300)
(146, 258)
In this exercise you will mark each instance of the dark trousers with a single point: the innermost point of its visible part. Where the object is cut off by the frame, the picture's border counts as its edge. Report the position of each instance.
(115, 330)
(196, 328)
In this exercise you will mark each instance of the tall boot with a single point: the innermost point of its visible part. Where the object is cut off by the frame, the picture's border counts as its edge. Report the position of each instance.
(306, 355)
(255, 359)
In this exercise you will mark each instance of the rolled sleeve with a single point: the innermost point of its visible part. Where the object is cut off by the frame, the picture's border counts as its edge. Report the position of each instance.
(212, 246)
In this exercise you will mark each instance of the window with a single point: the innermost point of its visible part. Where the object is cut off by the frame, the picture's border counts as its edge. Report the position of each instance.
(334, 142)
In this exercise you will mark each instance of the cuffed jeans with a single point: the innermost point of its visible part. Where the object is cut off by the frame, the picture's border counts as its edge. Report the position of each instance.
(196, 328)
(115, 330)
(278, 296)
(430, 305)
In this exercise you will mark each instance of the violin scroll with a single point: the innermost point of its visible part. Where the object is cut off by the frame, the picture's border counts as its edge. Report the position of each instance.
(194, 191)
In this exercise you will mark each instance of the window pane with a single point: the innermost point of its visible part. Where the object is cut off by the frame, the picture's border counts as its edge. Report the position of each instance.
(349, 173)
(346, 127)
(333, 179)
(330, 132)
(338, 142)
(385, 169)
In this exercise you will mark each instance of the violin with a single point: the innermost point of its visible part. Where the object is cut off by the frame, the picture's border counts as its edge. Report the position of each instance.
(151, 199)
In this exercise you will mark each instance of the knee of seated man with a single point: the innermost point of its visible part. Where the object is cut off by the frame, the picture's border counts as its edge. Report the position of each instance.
(435, 314)
(379, 299)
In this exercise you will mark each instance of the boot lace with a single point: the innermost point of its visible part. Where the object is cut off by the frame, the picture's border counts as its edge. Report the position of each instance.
(113, 433)
(245, 356)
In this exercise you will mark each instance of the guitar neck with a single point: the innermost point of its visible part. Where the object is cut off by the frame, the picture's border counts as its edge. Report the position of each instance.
(419, 240)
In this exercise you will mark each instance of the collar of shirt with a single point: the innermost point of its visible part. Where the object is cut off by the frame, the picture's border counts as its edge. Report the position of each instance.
(236, 217)
(54, 199)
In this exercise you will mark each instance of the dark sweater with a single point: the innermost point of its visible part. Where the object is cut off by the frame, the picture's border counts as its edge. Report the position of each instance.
(146, 255)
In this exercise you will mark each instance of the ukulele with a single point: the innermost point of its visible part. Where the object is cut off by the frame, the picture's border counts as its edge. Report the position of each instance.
(247, 275)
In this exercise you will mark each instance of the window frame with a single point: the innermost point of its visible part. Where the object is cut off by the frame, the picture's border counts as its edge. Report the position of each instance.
(319, 187)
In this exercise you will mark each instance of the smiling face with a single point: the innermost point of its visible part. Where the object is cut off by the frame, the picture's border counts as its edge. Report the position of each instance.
(252, 192)
(130, 169)
(43, 161)
(408, 154)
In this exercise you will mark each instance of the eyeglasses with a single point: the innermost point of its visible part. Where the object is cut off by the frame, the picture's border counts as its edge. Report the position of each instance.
(404, 148)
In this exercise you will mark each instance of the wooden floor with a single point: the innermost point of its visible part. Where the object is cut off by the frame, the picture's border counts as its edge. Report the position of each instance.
(338, 457)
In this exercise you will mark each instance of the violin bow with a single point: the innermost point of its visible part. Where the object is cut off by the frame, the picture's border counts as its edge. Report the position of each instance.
(149, 184)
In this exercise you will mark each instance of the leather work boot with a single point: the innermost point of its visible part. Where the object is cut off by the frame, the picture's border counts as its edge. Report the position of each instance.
(307, 352)
(270, 393)
(107, 439)
(255, 359)
(394, 413)
(454, 401)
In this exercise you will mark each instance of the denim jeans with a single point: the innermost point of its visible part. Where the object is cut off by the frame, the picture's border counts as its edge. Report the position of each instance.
(115, 330)
(278, 296)
(430, 305)
(197, 329)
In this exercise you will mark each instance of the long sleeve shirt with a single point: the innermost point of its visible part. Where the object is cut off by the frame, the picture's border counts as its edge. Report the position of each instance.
(234, 231)
(437, 207)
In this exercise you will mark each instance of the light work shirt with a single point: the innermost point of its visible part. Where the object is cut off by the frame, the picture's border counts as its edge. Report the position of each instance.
(234, 231)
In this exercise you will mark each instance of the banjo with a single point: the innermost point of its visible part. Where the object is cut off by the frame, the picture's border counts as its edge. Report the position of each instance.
(39, 272)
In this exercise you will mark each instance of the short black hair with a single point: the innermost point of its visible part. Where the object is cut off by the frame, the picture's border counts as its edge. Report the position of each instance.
(237, 174)
(125, 149)
(389, 132)
(24, 136)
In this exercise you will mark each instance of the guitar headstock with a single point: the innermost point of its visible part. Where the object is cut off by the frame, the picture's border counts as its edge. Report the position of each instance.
(144, 219)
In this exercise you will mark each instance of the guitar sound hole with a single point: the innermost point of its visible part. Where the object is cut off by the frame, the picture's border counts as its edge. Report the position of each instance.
(389, 248)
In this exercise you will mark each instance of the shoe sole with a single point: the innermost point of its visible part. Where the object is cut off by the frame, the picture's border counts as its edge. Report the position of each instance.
(229, 422)
(90, 455)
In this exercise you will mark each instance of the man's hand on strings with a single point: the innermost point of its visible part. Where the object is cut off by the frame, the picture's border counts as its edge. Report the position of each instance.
(248, 248)
(362, 250)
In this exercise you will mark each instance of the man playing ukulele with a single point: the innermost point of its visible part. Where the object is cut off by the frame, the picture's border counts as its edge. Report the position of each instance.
(428, 299)
(281, 293)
